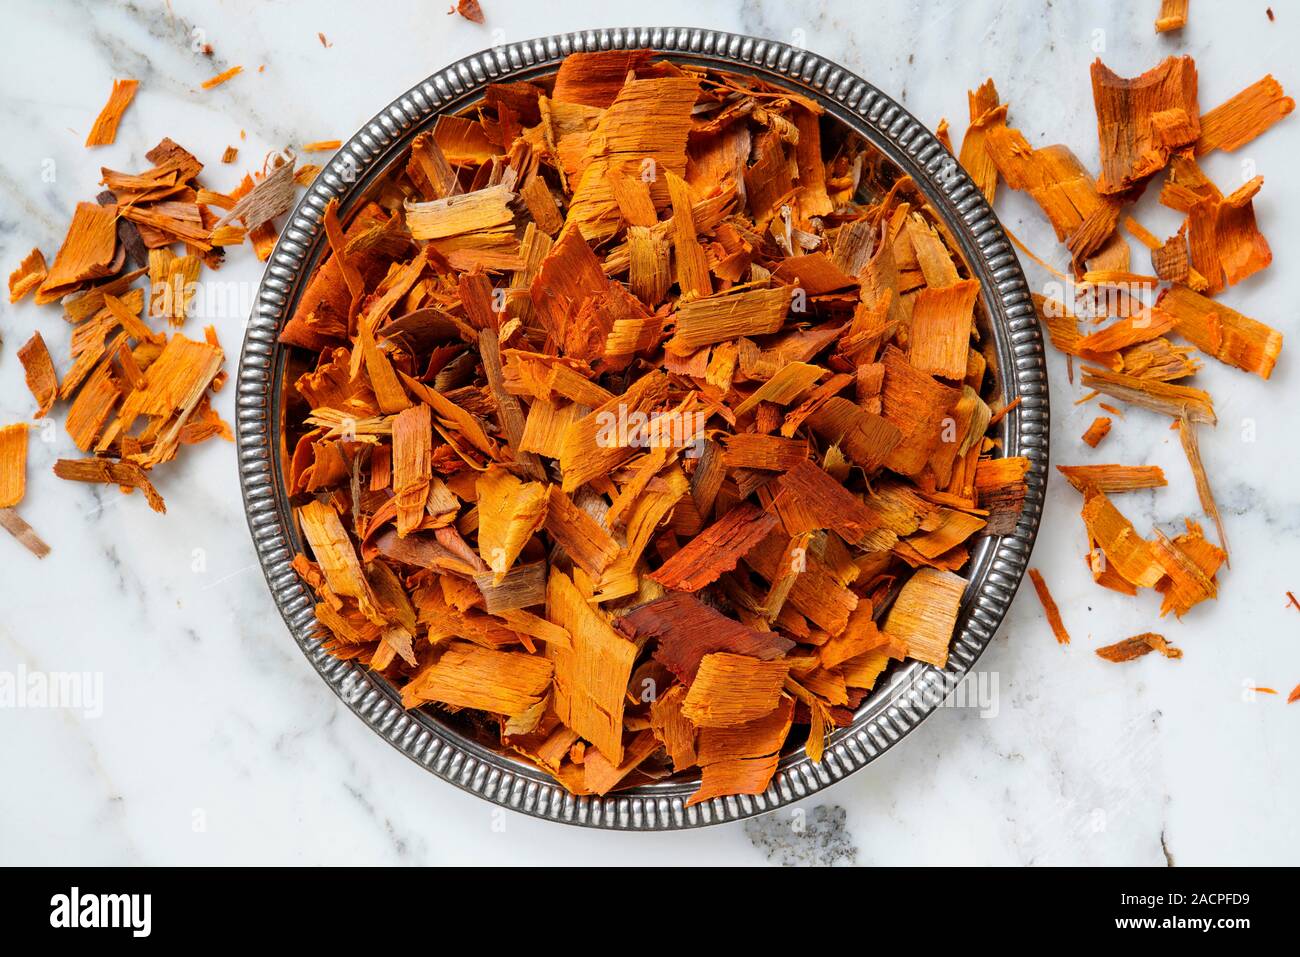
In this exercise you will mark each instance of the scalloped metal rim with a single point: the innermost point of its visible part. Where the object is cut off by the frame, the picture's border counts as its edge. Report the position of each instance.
(996, 568)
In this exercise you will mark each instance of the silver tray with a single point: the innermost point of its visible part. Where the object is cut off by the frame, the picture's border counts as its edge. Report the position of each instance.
(913, 690)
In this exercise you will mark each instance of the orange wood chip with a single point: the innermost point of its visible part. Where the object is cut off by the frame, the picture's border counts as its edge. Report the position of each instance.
(925, 613)
(715, 550)
(1099, 429)
(1141, 121)
(467, 676)
(1172, 16)
(941, 328)
(1222, 332)
(985, 113)
(1190, 564)
(38, 369)
(1137, 646)
(86, 253)
(31, 272)
(222, 77)
(591, 677)
(732, 689)
(104, 130)
(1049, 607)
(470, 10)
(108, 472)
(742, 759)
(1126, 553)
(1060, 185)
(1113, 478)
(1233, 124)
(13, 464)
(1173, 400)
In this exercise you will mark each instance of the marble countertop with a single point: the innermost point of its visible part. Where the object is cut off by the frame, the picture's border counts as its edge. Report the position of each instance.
(213, 741)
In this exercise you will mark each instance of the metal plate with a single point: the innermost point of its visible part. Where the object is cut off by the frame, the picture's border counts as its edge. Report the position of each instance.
(913, 691)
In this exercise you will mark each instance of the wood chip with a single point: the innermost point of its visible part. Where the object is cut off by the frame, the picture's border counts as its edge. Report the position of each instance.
(1049, 607)
(1137, 646)
(104, 130)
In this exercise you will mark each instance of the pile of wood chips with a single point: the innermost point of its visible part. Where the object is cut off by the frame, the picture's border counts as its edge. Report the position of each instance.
(135, 394)
(1122, 323)
(646, 418)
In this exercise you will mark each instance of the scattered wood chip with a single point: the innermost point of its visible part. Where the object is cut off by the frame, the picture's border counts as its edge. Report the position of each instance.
(31, 272)
(1173, 16)
(470, 10)
(1097, 431)
(1049, 607)
(222, 77)
(1137, 646)
(104, 130)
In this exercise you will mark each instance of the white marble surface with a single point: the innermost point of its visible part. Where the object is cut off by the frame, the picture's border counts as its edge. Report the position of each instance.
(217, 743)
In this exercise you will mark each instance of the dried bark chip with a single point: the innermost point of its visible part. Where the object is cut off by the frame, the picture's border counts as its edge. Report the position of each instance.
(732, 689)
(104, 130)
(86, 253)
(742, 759)
(916, 404)
(925, 613)
(648, 121)
(1141, 121)
(596, 78)
(591, 677)
(1127, 554)
(1137, 646)
(810, 499)
(986, 113)
(1234, 123)
(584, 540)
(715, 550)
(25, 535)
(1172, 16)
(29, 275)
(1190, 563)
(728, 315)
(271, 197)
(941, 328)
(1192, 449)
(510, 512)
(684, 630)
(38, 369)
(1222, 332)
(1172, 400)
(337, 558)
(673, 730)
(467, 676)
(1113, 478)
(412, 464)
(1049, 607)
(13, 464)
(1097, 431)
(1060, 185)
(108, 472)
(221, 77)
